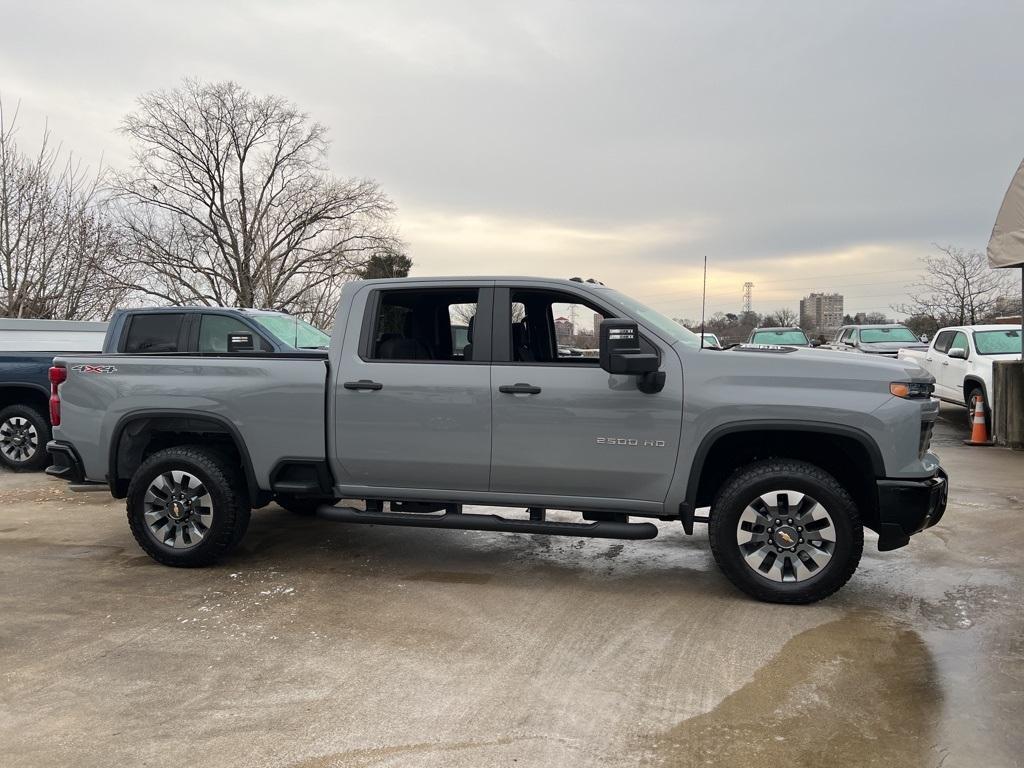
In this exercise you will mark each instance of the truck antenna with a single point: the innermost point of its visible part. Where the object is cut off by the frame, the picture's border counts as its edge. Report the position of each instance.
(703, 298)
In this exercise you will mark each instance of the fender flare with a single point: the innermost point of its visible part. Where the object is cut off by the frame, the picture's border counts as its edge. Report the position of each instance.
(689, 506)
(972, 379)
(156, 413)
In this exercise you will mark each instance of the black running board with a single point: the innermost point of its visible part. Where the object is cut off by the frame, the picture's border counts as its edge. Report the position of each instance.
(471, 522)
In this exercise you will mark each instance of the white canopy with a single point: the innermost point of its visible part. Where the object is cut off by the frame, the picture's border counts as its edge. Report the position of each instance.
(1006, 246)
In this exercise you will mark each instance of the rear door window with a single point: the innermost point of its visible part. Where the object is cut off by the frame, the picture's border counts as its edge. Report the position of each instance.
(152, 332)
(432, 324)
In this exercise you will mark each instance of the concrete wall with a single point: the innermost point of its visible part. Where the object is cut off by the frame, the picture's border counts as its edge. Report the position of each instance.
(1008, 408)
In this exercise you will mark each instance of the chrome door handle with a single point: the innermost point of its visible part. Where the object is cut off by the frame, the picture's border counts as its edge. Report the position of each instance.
(372, 386)
(519, 389)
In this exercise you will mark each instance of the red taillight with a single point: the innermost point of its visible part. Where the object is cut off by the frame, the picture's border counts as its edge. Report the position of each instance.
(58, 375)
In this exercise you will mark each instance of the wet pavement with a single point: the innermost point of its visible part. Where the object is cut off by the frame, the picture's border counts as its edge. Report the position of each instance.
(321, 644)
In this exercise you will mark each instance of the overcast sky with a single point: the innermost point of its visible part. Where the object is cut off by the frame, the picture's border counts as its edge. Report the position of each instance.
(802, 146)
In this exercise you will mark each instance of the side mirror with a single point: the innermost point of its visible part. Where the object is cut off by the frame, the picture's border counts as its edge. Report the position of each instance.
(849, 342)
(620, 352)
(240, 342)
(958, 353)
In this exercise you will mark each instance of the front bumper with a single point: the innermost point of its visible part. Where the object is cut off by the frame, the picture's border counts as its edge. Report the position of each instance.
(66, 463)
(906, 507)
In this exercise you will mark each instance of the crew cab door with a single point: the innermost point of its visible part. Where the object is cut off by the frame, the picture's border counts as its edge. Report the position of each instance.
(953, 369)
(412, 388)
(563, 426)
(937, 361)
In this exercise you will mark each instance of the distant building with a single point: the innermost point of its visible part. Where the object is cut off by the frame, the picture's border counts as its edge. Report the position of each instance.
(821, 310)
(564, 330)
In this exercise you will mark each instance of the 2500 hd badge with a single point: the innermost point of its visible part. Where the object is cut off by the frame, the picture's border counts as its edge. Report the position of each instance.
(631, 441)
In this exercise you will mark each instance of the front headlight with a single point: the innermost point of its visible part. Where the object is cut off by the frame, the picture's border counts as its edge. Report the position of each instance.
(911, 390)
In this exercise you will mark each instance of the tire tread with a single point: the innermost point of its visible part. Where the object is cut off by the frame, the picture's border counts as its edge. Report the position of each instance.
(235, 509)
(722, 535)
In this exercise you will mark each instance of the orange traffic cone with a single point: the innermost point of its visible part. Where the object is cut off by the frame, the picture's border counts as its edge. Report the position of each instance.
(979, 431)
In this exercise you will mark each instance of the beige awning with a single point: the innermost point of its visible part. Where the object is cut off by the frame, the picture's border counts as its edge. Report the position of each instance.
(1006, 246)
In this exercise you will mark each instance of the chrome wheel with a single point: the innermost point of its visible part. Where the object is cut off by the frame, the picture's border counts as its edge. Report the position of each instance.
(19, 439)
(178, 510)
(786, 536)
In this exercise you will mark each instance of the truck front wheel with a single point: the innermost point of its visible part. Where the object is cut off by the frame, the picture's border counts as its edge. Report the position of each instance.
(187, 506)
(785, 531)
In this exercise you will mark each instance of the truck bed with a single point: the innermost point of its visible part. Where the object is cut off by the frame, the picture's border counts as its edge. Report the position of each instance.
(274, 404)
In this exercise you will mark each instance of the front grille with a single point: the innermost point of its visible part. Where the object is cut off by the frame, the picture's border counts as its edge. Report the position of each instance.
(926, 438)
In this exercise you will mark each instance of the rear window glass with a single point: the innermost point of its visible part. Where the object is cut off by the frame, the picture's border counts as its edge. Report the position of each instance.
(879, 335)
(151, 332)
(215, 329)
(997, 342)
(779, 337)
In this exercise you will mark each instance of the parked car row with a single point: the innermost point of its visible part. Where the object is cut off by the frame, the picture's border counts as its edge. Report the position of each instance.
(961, 357)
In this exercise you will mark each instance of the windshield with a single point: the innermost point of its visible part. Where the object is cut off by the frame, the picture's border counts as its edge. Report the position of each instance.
(779, 337)
(997, 342)
(293, 331)
(652, 317)
(876, 335)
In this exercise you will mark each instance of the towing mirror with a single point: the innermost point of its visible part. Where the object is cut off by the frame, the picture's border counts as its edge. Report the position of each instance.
(620, 352)
(620, 349)
(240, 342)
(958, 353)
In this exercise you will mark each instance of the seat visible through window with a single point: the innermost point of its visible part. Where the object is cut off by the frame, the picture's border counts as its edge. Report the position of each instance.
(428, 324)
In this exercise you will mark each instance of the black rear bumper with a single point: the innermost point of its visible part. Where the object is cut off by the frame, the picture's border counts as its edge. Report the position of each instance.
(66, 463)
(906, 507)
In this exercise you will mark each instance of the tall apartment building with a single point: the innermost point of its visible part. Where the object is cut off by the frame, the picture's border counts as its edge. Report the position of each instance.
(821, 310)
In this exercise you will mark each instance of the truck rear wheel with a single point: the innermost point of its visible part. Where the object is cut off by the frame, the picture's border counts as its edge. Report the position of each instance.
(24, 432)
(785, 531)
(187, 506)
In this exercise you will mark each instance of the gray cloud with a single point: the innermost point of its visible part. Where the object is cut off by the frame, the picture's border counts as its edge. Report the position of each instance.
(755, 131)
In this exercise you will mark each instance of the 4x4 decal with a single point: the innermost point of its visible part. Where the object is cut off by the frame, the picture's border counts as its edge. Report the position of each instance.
(94, 368)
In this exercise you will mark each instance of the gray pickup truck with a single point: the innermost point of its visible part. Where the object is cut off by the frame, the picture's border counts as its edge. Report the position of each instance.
(793, 451)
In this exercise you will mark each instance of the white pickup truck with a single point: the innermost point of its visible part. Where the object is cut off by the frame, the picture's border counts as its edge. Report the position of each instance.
(960, 358)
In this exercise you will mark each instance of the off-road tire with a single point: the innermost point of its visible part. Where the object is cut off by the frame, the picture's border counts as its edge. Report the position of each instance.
(40, 423)
(222, 479)
(749, 482)
(303, 505)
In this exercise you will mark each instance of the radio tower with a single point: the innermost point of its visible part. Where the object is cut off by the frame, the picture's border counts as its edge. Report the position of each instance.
(748, 290)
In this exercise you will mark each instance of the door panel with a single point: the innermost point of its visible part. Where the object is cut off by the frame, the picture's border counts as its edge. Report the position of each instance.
(953, 370)
(428, 426)
(423, 423)
(586, 433)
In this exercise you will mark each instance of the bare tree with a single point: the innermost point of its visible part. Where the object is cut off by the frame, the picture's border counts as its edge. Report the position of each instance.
(57, 242)
(229, 202)
(958, 288)
(783, 316)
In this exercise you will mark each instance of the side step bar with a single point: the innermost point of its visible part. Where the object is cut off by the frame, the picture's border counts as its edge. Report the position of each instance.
(471, 522)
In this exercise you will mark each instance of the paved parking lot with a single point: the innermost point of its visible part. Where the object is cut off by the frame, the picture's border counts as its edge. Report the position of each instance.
(320, 644)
